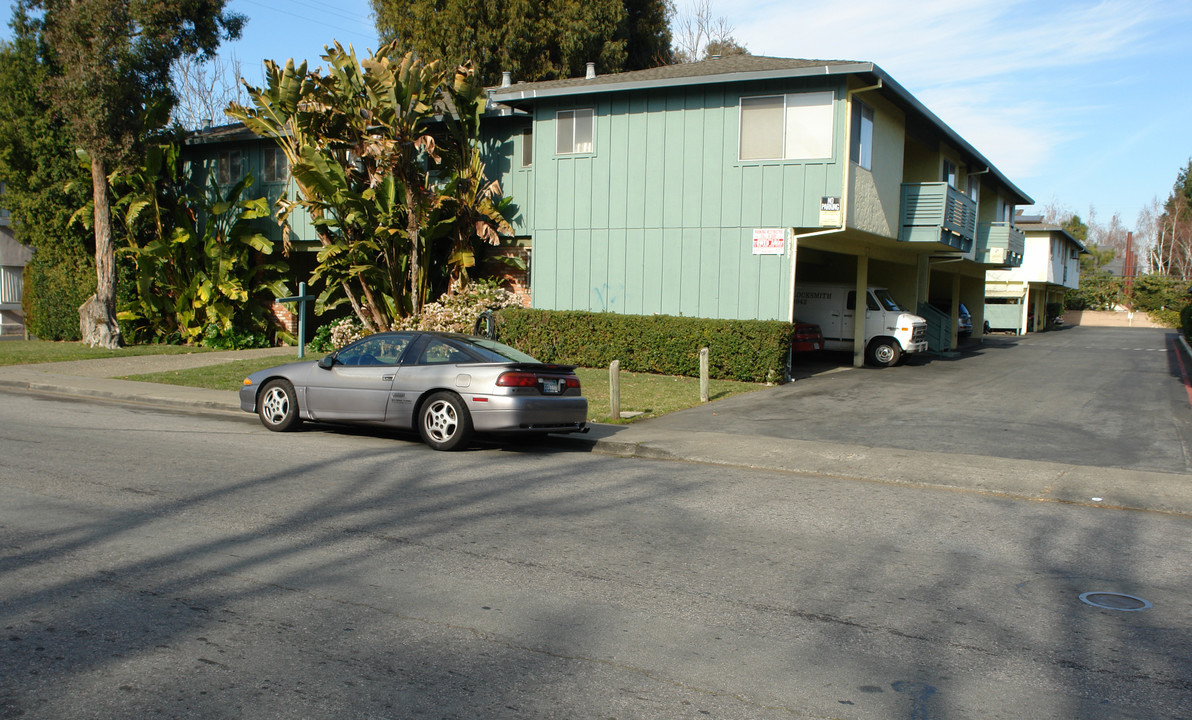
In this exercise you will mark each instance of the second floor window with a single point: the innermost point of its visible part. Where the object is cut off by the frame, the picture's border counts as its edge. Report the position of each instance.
(574, 132)
(950, 175)
(276, 167)
(861, 134)
(228, 170)
(527, 148)
(795, 126)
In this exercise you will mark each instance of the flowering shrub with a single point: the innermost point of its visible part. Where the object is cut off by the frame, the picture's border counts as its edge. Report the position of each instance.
(454, 312)
(457, 311)
(347, 330)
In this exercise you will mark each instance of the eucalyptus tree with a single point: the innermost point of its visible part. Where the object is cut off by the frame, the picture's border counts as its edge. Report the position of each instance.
(113, 60)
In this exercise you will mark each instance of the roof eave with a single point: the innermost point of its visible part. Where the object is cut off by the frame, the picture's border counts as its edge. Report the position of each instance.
(513, 95)
(910, 100)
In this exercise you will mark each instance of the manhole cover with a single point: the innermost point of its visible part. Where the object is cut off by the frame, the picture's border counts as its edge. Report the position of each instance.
(1115, 601)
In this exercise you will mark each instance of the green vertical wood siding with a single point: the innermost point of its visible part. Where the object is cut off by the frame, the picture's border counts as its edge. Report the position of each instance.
(659, 217)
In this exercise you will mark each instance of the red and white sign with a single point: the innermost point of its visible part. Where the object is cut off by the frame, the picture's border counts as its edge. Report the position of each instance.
(769, 241)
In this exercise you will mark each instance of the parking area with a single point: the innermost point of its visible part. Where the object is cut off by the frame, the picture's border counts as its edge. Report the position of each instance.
(1105, 397)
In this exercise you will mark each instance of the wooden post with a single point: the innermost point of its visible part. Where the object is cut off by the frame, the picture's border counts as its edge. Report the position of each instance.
(614, 388)
(703, 374)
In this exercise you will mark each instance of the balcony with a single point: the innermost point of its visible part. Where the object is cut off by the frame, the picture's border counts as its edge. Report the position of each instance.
(1000, 244)
(937, 213)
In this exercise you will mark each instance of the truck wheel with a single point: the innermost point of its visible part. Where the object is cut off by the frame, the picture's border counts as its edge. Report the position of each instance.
(884, 352)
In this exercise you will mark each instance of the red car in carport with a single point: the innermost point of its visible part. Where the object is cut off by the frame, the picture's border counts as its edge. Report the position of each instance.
(807, 338)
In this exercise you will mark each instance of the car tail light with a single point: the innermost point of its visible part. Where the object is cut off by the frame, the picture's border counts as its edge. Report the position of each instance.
(517, 379)
(534, 380)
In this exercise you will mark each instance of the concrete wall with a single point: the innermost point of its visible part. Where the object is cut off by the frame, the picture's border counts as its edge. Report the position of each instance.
(1108, 318)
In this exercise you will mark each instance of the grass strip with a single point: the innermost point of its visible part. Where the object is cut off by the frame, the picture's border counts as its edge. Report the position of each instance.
(29, 352)
(642, 395)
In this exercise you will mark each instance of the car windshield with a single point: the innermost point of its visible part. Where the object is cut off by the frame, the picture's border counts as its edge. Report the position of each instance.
(887, 302)
(494, 351)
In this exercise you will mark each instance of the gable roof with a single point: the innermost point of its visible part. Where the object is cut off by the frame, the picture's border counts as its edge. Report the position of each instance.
(739, 69)
(734, 68)
(1035, 223)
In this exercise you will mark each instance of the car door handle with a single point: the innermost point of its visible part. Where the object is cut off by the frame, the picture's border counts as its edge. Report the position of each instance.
(386, 377)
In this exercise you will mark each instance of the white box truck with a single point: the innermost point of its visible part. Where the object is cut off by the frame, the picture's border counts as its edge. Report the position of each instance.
(890, 331)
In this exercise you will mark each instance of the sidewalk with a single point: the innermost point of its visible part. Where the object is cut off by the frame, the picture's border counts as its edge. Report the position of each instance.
(1044, 481)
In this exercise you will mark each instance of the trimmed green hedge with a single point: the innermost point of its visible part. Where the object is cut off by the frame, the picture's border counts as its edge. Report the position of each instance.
(54, 288)
(745, 350)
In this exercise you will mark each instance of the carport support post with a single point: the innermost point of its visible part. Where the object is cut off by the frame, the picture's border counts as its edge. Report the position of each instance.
(922, 282)
(955, 311)
(614, 388)
(703, 375)
(859, 311)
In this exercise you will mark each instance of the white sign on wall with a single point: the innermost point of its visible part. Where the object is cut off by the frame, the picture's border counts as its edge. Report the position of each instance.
(769, 241)
(829, 211)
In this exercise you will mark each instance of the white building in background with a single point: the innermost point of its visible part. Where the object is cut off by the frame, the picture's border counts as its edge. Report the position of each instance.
(13, 257)
(1017, 299)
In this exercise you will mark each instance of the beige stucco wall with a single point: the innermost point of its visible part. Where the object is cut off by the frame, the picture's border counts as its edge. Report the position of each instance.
(875, 195)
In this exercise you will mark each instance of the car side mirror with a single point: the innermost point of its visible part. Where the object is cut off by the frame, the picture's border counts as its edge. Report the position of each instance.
(327, 362)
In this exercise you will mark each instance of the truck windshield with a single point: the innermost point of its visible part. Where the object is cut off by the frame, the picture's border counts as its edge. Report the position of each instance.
(887, 302)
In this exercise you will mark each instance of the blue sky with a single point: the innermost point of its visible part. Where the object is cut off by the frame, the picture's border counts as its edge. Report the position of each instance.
(1080, 103)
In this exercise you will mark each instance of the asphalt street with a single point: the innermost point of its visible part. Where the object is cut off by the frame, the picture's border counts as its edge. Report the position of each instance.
(186, 566)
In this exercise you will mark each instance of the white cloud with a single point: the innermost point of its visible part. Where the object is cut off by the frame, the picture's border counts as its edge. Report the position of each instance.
(1033, 86)
(944, 41)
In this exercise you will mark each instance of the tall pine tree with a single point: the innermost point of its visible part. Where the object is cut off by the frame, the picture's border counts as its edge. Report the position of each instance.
(532, 40)
(37, 161)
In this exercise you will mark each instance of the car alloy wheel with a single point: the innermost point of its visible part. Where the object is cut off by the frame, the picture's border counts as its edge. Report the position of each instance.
(278, 406)
(444, 422)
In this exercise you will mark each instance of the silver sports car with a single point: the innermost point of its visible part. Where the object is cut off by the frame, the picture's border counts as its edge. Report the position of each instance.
(446, 386)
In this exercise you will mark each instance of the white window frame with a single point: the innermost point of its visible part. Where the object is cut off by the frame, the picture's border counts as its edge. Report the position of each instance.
(808, 126)
(568, 123)
(10, 284)
(860, 149)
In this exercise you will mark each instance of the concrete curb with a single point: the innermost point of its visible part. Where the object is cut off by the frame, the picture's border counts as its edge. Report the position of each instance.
(1026, 479)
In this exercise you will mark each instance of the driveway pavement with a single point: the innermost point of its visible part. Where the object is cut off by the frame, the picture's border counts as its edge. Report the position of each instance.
(1102, 397)
(1096, 416)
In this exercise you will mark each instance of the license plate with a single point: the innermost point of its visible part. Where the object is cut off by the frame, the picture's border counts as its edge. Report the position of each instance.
(550, 386)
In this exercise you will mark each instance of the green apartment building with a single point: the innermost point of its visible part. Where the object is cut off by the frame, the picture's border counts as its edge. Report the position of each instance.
(711, 189)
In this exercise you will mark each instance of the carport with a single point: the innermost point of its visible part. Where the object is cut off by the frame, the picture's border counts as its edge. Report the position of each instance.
(914, 276)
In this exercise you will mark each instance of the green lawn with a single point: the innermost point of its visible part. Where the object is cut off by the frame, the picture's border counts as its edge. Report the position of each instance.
(650, 395)
(24, 352)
